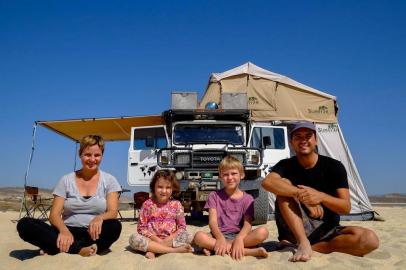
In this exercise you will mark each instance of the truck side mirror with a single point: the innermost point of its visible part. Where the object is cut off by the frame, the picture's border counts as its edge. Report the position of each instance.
(266, 141)
(149, 142)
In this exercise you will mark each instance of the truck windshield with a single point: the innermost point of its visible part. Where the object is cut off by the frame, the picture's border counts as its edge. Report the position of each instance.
(208, 134)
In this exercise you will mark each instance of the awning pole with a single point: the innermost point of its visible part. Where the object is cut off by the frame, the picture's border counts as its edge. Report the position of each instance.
(75, 154)
(34, 130)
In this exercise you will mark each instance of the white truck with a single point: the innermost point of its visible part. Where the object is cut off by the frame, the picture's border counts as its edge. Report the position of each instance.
(192, 142)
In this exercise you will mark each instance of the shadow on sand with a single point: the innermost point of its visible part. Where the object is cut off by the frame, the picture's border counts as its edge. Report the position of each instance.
(24, 254)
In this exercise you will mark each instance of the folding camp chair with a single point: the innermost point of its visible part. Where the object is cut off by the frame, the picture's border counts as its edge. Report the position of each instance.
(139, 199)
(122, 205)
(32, 202)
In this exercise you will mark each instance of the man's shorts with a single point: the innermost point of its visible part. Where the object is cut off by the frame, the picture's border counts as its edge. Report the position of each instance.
(316, 230)
(140, 242)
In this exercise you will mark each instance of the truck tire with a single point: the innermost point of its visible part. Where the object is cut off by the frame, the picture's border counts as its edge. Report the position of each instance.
(261, 206)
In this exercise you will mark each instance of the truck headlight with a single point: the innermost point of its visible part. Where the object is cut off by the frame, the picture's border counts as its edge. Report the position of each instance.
(253, 157)
(182, 159)
(164, 157)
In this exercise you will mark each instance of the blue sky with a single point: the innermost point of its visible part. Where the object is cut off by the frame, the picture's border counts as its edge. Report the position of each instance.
(73, 59)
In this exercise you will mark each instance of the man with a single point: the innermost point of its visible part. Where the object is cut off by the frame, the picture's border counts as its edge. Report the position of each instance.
(312, 192)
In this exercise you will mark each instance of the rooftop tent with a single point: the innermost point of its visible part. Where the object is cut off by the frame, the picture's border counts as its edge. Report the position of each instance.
(272, 96)
(111, 129)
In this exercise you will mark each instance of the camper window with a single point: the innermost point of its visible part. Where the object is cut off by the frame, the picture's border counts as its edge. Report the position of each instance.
(268, 138)
(149, 138)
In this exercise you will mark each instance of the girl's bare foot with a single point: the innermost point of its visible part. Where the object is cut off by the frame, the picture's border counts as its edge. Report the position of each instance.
(150, 255)
(184, 249)
(88, 251)
(206, 252)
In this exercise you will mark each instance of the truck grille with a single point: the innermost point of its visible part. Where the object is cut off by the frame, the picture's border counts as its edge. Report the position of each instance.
(207, 158)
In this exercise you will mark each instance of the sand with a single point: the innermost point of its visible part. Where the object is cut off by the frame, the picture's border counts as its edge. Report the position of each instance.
(16, 254)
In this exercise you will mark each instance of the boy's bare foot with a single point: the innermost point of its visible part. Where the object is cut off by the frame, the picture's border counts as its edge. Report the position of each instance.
(262, 253)
(184, 249)
(206, 252)
(150, 255)
(303, 253)
(88, 251)
(256, 252)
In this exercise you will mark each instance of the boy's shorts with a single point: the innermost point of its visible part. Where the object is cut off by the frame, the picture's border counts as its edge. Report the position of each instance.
(228, 235)
(140, 242)
(316, 230)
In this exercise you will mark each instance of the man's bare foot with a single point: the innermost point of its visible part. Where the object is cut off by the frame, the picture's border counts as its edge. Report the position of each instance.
(184, 249)
(206, 252)
(256, 252)
(150, 255)
(88, 251)
(303, 253)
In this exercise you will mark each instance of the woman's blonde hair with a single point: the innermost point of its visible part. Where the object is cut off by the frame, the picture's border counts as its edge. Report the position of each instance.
(230, 162)
(91, 140)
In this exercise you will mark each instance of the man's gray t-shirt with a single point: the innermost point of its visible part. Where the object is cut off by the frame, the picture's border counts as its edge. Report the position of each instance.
(79, 211)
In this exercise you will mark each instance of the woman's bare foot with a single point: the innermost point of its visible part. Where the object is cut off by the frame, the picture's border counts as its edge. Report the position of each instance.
(88, 251)
(150, 255)
(303, 253)
(206, 252)
(256, 252)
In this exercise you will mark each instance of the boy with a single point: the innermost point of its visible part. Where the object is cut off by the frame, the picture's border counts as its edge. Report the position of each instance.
(231, 212)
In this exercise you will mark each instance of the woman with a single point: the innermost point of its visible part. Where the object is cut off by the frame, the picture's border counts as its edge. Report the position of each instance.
(84, 209)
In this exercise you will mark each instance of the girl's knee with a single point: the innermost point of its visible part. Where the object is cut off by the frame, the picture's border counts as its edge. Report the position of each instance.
(138, 242)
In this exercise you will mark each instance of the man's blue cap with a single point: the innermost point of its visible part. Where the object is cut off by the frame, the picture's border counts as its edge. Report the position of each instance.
(302, 124)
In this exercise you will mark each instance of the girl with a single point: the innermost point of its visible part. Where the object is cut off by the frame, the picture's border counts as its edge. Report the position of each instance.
(161, 226)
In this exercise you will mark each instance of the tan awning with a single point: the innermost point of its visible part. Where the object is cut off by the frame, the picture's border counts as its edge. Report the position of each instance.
(111, 129)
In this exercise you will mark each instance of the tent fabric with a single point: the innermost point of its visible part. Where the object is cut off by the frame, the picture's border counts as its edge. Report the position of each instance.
(331, 143)
(111, 129)
(272, 96)
(252, 69)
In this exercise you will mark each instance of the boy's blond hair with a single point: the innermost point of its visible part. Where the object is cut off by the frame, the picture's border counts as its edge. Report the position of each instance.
(230, 162)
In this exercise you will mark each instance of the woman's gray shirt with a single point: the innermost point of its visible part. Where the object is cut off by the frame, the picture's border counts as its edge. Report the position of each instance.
(79, 211)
